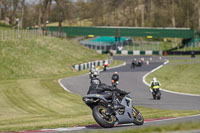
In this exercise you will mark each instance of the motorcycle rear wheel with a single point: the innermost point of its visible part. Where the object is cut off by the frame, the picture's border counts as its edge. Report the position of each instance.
(158, 97)
(154, 96)
(100, 117)
(138, 118)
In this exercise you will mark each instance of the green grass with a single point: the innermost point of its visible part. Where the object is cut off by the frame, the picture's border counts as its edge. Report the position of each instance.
(185, 126)
(179, 76)
(30, 97)
(165, 45)
(41, 57)
(159, 113)
(4, 28)
(154, 45)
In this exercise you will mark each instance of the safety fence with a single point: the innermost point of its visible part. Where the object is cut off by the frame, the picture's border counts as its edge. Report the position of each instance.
(88, 65)
(14, 34)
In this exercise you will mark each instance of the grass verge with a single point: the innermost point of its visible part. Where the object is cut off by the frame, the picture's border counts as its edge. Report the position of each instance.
(185, 126)
(179, 75)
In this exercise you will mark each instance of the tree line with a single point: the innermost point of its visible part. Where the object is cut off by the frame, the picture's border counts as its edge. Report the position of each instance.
(133, 13)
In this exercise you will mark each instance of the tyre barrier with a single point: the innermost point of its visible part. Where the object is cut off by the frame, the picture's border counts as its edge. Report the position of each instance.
(135, 52)
(88, 65)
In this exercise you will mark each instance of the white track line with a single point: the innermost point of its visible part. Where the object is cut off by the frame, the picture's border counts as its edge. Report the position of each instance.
(167, 61)
(65, 88)
(65, 129)
(173, 118)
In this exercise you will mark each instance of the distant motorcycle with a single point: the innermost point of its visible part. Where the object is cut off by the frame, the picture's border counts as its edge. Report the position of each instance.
(100, 104)
(156, 94)
(136, 63)
(105, 67)
(133, 64)
(139, 63)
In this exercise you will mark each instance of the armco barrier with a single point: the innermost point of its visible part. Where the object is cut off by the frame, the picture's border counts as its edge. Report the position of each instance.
(136, 52)
(87, 65)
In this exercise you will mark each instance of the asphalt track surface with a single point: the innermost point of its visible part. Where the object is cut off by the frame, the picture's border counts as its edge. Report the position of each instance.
(131, 80)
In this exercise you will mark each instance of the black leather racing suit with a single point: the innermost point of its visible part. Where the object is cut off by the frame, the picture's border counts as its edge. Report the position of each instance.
(109, 92)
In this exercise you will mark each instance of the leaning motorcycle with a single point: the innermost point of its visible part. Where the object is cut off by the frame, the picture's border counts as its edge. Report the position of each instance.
(156, 94)
(99, 106)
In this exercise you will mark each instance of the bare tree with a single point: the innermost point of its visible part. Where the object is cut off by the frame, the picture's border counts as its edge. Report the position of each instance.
(44, 5)
(0, 8)
(173, 13)
(64, 10)
(5, 3)
(196, 4)
(13, 15)
(22, 13)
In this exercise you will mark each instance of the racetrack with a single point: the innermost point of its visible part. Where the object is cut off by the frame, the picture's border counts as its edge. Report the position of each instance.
(131, 81)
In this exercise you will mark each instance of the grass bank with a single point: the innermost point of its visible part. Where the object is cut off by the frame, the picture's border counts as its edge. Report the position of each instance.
(30, 97)
(179, 75)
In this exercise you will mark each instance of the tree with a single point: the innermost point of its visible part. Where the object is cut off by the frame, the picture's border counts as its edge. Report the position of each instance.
(0, 8)
(22, 13)
(13, 13)
(64, 11)
(43, 12)
(82, 8)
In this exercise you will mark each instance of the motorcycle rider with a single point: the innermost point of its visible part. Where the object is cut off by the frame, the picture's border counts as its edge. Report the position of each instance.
(105, 65)
(117, 92)
(91, 72)
(115, 79)
(94, 72)
(154, 84)
(110, 92)
(133, 63)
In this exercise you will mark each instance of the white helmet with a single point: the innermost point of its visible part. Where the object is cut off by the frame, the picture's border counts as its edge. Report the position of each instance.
(154, 79)
(96, 72)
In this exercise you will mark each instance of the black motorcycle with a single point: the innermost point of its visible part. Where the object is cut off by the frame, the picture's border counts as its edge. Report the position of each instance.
(100, 104)
(105, 67)
(156, 94)
(133, 64)
(139, 63)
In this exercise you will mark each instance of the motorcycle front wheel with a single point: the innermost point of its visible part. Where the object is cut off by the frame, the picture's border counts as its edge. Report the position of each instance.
(138, 118)
(99, 114)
